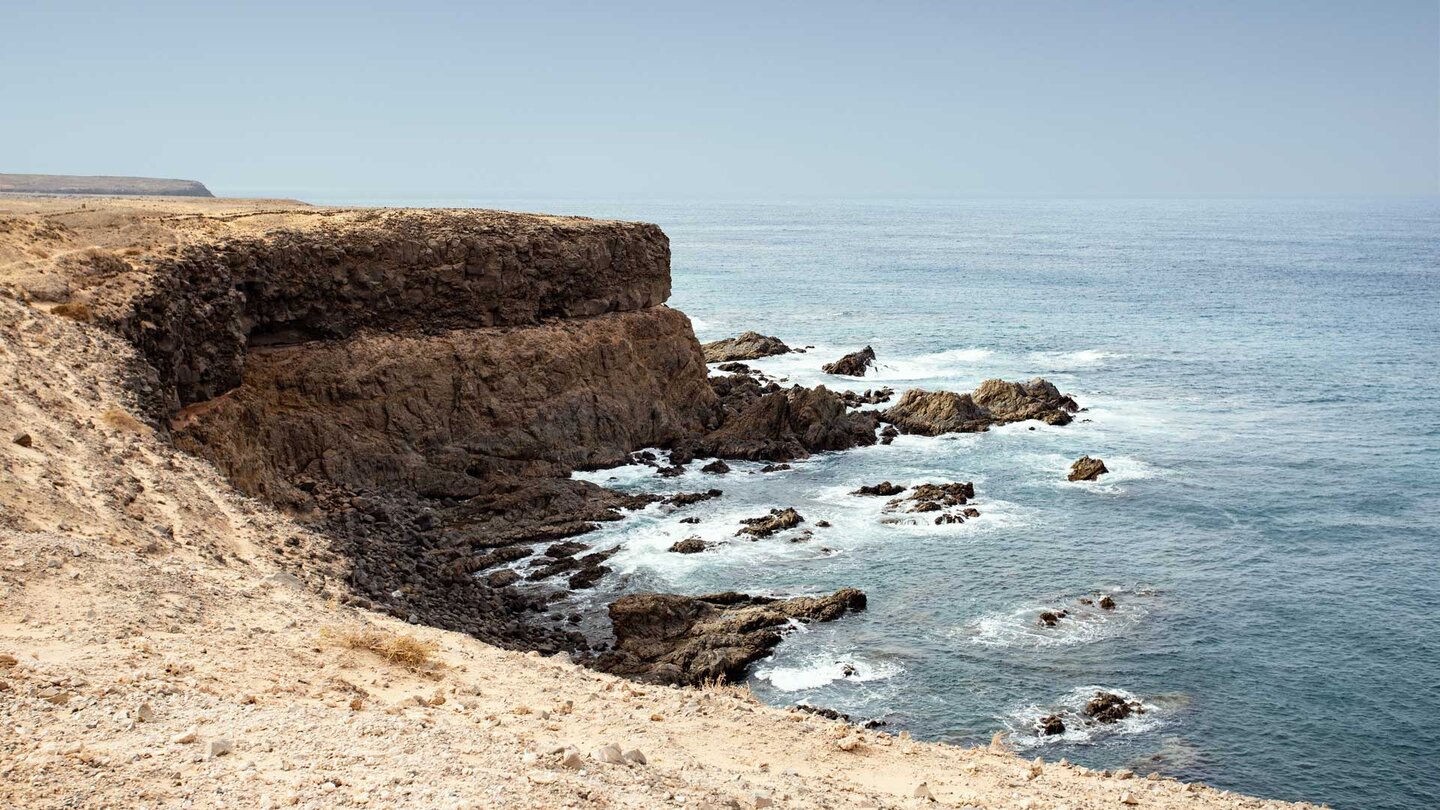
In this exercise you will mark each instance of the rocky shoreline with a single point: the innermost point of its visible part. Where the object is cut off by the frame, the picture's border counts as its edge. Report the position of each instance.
(420, 384)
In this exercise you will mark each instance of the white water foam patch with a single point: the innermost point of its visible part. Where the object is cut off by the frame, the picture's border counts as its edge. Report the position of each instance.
(815, 669)
(935, 365)
(1067, 360)
(1020, 627)
(1021, 723)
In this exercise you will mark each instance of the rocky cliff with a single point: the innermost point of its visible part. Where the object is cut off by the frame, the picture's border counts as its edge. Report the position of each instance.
(420, 381)
(72, 184)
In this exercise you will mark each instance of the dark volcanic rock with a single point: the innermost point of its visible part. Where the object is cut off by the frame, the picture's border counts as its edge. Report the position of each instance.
(883, 488)
(770, 468)
(1108, 707)
(747, 346)
(24, 440)
(668, 638)
(687, 498)
(995, 402)
(852, 365)
(1086, 468)
(1052, 725)
(1107, 603)
(786, 425)
(690, 545)
(777, 521)
(869, 397)
(716, 467)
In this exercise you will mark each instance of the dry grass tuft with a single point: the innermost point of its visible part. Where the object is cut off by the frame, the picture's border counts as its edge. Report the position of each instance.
(403, 649)
(75, 311)
(718, 686)
(120, 420)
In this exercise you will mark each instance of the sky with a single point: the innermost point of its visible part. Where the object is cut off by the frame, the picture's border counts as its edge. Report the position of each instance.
(733, 100)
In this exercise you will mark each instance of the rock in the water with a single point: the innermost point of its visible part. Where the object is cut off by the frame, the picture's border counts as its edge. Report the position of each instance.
(852, 365)
(669, 638)
(935, 497)
(888, 434)
(1107, 602)
(883, 488)
(1049, 618)
(1016, 402)
(1051, 725)
(869, 397)
(716, 467)
(995, 402)
(747, 346)
(786, 425)
(1086, 468)
(690, 545)
(687, 498)
(770, 468)
(778, 520)
(500, 579)
(1108, 707)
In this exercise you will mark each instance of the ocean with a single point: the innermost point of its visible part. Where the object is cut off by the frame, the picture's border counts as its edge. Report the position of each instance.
(1261, 376)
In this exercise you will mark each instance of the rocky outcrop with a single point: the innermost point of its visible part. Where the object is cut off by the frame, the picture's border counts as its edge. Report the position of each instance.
(668, 638)
(867, 397)
(937, 498)
(777, 521)
(1015, 402)
(1086, 468)
(788, 425)
(995, 402)
(747, 346)
(1108, 707)
(690, 545)
(854, 364)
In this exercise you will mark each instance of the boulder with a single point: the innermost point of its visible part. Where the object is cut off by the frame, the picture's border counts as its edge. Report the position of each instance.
(1086, 468)
(669, 638)
(1107, 603)
(853, 364)
(687, 498)
(1052, 725)
(747, 346)
(868, 397)
(777, 521)
(716, 467)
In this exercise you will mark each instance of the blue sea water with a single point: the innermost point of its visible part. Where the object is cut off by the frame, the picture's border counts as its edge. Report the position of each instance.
(1261, 376)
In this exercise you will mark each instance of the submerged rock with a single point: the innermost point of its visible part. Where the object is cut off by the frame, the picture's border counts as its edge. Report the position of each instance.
(1086, 468)
(778, 520)
(669, 638)
(746, 346)
(995, 402)
(852, 365)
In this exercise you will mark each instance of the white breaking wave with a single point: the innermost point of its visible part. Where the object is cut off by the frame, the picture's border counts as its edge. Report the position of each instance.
(821, 668)
(1084, 624)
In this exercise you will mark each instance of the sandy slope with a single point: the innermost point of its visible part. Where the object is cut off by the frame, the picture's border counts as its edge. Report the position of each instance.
(147, 612)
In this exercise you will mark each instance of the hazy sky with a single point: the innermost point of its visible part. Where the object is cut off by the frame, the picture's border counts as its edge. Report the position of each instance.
(729, 99)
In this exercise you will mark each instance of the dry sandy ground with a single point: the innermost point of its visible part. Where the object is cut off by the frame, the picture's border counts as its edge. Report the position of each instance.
(165, 642)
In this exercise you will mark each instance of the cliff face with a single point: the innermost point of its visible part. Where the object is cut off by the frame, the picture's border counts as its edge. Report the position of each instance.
(440, 414)
(421, 381)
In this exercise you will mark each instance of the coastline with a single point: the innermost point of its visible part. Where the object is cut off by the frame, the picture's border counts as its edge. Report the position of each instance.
(249, 586)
